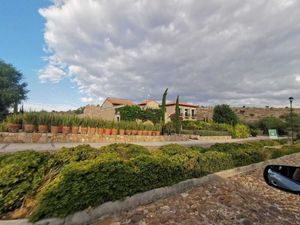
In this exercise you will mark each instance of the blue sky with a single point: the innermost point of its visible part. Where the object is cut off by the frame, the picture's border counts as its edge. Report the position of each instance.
(21, 44)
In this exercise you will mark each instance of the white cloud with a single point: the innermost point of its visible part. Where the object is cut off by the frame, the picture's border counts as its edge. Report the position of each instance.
(237, 52)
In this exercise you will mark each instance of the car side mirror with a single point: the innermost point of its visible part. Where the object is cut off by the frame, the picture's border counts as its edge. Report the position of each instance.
(286, 178)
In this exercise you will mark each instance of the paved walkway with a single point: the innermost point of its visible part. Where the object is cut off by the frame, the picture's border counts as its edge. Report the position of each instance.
(242, 199)
(14, 147)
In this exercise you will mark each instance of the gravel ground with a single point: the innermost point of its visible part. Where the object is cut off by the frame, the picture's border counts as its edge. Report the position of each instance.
(243, 199)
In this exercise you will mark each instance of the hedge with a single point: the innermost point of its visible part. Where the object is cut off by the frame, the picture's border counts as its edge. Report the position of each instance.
(21, 174)
(206, 132)
(85, 176)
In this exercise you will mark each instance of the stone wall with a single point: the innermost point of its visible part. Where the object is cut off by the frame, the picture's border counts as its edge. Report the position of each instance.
(6, 137)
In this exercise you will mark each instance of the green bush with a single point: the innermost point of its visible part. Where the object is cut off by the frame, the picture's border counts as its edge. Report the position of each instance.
(224, 114)
(173, 149)
(239, 131)
(76, 154)
(205, 132)
(73, 179)
(21, 174)
(126, 151)
(103, 179)
(244, 154)
(213, 161)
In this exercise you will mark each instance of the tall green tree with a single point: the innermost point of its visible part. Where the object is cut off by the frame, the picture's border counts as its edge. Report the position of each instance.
(12, 89)
(224, 114)
(163, 109)
(177, 116)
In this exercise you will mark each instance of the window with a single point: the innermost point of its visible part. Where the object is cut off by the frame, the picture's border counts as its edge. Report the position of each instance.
(186, 112)
(193, 112)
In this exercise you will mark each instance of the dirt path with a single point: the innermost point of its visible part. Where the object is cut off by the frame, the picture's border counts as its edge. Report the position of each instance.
(242, 199)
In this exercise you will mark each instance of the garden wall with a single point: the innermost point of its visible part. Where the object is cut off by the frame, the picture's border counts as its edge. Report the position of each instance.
(22, 137)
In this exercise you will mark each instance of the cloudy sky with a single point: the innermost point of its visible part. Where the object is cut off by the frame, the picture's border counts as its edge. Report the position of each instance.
(209, 52)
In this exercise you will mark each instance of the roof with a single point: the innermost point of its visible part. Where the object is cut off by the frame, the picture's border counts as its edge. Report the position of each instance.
(182, 104)
(146, 101)
(119, 101)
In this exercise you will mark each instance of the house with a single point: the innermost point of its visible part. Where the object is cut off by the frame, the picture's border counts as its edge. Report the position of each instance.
(150, 103)
(107, 110)
(187, 110)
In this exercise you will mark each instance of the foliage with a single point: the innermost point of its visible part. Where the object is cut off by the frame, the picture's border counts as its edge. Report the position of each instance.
(224, 114)
(12, 89)
(30, 118)
(177, 121)
(206, 132)
(163, 106)
(272, 123)
(43, 118)
(130, 112)
(86, 177)
(126, 151)
(133, 113)
(14, 118)
(21, 174)
(239, 131)
(217, 129)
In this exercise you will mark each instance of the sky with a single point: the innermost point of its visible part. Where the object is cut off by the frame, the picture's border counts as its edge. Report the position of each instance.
(74, 52)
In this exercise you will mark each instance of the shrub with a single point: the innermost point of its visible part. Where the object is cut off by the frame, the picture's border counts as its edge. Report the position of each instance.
(14, 118)
(103, 179)
(224, 114)
(84, 176)
(239, 131)
(126, 151)
(21, 174)
(76, 154)
(30, 118)
(213, 161)
(173, 149)
(206, 132)
(272, 123)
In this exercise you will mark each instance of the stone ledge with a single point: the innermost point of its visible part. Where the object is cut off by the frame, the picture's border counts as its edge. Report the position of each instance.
(22, 137)
(109, 208)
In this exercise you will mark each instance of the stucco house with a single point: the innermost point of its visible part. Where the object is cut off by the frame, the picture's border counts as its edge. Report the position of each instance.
(187, 110)
(108, 109)
(150, 103)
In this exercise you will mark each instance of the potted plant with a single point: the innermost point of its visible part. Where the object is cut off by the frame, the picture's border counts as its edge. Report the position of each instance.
(55, 121)
(114, 130)
(140, 129)
(67, 123)
(84, 126)
(43, 121)
(100, 126)
(29, 121)
(76, 122)
(13, 122)
(108, 126)
(134, 128)
(121, 126)
(92, 126)
(157, 129)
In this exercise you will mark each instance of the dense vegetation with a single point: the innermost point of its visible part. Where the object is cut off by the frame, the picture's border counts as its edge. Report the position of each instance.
(211, 128)
(56, 119)
(133, 113)
(282, 124)
(224, 114)
(12, 89)
(72, 179)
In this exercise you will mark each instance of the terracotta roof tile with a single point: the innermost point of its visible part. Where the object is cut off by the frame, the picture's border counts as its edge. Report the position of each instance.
(119, 101)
